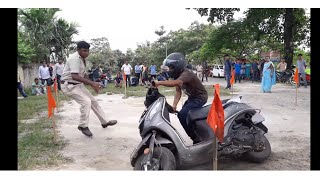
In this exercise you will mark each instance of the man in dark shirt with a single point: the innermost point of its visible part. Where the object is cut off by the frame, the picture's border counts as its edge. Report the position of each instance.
(118, 80)
(188, 82)
(255, 71)
(205, 71)
(227, 70)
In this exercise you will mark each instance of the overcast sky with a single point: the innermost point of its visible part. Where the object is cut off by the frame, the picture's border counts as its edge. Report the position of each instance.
(127, 26)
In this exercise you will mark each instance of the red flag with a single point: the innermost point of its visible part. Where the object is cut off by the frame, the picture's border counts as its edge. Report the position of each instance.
(51, 102)
(215, 117)
(232, 78)
(296, 76)
(55, 87)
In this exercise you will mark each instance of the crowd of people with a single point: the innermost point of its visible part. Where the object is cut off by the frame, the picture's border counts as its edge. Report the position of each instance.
(141, 74)
(46, 75)
(262, 71)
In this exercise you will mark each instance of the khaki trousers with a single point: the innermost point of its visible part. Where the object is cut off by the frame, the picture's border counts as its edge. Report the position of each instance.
(82, 96)
(199, 73)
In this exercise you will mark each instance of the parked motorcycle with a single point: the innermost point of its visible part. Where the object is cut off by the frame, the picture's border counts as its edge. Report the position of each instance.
(285, 77)
(163, 148)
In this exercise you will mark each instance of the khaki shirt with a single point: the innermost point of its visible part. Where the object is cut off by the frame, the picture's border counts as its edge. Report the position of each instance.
(199, 68)
(74, 64)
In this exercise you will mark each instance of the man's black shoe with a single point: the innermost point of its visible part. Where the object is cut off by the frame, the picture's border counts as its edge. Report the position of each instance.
(109, 123)
(85, 131)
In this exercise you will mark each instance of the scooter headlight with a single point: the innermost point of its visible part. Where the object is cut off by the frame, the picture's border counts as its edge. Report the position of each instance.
(153, 111)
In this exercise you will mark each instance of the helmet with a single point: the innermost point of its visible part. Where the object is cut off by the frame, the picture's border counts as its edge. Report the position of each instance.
(176, 63)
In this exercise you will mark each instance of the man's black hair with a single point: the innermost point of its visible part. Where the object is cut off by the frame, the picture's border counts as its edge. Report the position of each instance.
(299, 54)
(36, 79)
(226, 55)
(83, 44)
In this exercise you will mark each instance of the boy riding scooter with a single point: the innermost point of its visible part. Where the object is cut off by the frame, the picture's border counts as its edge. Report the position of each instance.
(187, 81)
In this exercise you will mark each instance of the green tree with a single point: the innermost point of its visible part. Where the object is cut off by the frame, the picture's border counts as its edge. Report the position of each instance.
(25, 51)
(100, 52)
(287, 25)
(41, 27)
(143, 53)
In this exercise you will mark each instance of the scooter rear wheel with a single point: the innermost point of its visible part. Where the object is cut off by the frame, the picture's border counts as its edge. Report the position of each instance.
(261, 154)
(162, 159)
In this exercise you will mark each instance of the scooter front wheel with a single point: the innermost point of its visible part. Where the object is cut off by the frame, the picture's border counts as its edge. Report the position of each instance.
(162, 159)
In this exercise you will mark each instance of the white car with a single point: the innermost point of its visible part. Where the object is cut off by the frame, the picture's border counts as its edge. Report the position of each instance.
(218, 71)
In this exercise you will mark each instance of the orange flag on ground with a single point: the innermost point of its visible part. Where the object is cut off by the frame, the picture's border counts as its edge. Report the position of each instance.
(296, 76)
(51, 102)
(215, 117)
(55, 87)
(232, 78)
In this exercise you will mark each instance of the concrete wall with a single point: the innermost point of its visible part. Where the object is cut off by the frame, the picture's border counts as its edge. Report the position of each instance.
(28, 73)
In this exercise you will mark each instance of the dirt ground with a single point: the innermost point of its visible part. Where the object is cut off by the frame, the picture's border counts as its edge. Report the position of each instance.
(110, 148)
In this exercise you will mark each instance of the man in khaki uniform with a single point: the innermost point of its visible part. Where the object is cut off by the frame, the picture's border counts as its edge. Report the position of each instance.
(72, 84)
(199, 70)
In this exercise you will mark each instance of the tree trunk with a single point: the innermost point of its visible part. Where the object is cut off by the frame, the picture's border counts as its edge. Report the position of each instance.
(288, 37)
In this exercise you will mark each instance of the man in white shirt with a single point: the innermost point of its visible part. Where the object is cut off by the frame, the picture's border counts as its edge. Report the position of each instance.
(44, 74)
(57, 72)
(282, 66)
(126, 69)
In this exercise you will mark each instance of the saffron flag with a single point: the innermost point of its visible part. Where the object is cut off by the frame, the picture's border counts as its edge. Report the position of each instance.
(232, 78)
(296, 76)
(55, 87)
(51, 102)
(215, 117)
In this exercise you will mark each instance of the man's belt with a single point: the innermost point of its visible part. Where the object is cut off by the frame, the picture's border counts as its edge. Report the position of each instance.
(62, 82)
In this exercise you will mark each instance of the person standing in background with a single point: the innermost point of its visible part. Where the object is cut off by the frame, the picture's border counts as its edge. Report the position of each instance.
(227, 69)
(153, 71)
(301, 65)
(44, 74)
(137, 71)
(205, 71)
(199, 70)
(57, 72)
(126, 69)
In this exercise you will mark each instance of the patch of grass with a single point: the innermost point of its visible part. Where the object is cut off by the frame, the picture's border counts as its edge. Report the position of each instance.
(36, 147)
(33, 105)
(223, 91)
(140, 91)
(133, 91)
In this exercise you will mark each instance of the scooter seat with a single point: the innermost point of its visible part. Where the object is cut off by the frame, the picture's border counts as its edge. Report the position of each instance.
(201, 113)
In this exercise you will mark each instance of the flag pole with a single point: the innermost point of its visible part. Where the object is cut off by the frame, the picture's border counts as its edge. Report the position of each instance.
(125, 89)
(51, 109)
(57, 94)
(125, 84)
(296, 94)
(232, 91)
(215, 154)
(54, 129)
